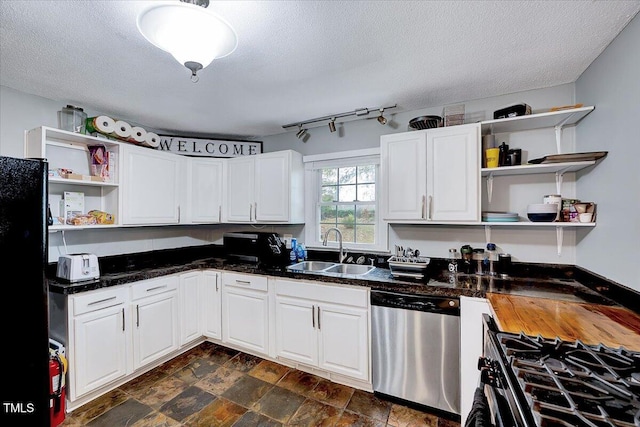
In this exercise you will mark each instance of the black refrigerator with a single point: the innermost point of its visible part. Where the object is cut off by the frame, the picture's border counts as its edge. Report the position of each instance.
(25, 316)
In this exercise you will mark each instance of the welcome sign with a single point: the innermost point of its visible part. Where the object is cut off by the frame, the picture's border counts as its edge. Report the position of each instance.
(209, 147)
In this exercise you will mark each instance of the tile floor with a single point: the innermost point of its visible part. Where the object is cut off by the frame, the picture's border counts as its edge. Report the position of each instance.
(212, 385)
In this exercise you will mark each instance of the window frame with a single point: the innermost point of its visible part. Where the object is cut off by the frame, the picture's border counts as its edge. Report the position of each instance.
(313, 185)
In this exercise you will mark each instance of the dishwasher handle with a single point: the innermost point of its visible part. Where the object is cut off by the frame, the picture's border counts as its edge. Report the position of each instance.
(425, 303)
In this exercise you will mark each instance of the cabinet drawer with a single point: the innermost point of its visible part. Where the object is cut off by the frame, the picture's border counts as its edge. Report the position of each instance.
(248, 281)
(99, 299)
(323, 293)
(145, 288)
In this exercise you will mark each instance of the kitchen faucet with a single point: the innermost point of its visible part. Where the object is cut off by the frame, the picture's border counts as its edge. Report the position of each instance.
(342, 254)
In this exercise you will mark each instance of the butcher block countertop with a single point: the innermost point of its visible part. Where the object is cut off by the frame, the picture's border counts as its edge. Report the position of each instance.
(592, 324)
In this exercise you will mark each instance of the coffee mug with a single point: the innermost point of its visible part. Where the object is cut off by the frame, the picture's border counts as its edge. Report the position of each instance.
(492, 155)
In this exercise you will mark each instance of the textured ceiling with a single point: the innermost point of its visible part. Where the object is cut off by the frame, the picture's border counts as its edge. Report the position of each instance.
(299, 60)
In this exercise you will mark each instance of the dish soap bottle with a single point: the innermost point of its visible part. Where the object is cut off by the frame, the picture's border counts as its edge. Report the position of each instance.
(292, 255)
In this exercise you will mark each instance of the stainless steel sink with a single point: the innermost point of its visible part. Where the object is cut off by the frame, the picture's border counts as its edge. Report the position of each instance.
(311, 266)
(356, 269)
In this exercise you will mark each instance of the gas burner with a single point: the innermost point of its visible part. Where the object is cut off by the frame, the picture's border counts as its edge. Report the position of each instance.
(575, 384)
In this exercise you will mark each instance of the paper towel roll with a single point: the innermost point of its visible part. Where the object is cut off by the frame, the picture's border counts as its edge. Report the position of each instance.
(101, 124)
(122, 129)
(152, 140)
(138, 135)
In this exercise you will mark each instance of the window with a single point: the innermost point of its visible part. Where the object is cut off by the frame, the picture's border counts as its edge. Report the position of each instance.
(345, 196)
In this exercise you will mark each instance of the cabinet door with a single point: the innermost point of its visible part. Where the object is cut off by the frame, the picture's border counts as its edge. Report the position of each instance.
(240, 190)
(100, 351)
(403, 170)
(453, 173)
(296, 330)
(206, 190)
(211, 304)
(272, 187)
(151, 187)
(344, 340)
(189, 304)
(155, 331)
(245, 318)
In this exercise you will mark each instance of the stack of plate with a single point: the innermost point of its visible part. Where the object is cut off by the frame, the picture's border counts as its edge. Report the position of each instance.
(500, 217)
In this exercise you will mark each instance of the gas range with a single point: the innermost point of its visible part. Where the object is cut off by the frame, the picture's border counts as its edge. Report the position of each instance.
(533, 381)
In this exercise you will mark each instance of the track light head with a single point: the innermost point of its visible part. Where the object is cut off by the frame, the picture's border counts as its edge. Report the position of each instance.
(381, 119)
(332, 125)
(302, 132)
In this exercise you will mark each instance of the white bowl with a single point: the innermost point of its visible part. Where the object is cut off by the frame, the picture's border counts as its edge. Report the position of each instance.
(542, 208)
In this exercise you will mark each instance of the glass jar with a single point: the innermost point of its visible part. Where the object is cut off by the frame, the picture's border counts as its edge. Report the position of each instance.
(491, 258)
(453, 260)
(72, 118)
(466, 252)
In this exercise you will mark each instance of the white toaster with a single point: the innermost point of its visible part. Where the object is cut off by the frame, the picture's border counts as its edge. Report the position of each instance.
(78, 267)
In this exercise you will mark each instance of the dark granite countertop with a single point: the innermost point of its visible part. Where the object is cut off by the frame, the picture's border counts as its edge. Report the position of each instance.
(438, 283)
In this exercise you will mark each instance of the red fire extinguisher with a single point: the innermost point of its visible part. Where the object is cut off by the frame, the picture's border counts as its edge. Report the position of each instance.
(57, 370)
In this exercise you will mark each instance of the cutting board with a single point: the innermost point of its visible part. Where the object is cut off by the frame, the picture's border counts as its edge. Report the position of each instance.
(589, 323)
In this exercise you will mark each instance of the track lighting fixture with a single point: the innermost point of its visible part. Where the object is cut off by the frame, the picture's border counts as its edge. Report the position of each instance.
(332, 125)
(381, 118)
(360, 113)
(301, 132)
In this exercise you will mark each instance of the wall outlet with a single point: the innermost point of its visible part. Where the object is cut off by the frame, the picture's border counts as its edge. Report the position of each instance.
(287, 240)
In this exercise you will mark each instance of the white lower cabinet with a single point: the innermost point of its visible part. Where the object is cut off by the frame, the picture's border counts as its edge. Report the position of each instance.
(471, 348)
(245, 311)
(211, 304)
(155, 319)
(323, 326)
(190, 289)
(98, 339)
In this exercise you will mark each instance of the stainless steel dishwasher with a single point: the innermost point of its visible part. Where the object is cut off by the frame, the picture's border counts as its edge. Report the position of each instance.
(416, 349)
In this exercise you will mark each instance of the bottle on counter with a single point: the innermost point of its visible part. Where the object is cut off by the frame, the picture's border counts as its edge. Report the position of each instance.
(293, 256)
(453, 260)
(466, 253)
(491, 258)
(478, 257)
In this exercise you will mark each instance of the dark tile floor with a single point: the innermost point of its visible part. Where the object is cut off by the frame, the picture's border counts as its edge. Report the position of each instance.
(211, 385)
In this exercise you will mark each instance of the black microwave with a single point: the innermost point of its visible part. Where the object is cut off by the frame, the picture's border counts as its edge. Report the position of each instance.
(255, 247)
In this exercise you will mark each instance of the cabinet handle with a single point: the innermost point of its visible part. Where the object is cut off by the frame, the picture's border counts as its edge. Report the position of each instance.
(123, 320)
(422, 210)
(178, 213)
(255, 211)
(138, 316)
(219, 213)
(216, 283)
(243, 282)
(313, 316)
(319, 318)
(429, 207)
(156, 287)
(102, 300)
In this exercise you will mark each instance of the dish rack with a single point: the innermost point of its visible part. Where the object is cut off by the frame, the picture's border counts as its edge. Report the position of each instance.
(413, 267)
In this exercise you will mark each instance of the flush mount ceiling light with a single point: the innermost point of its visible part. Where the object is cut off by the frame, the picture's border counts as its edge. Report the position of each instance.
(359, 113)
(194, 35)
(381, 118)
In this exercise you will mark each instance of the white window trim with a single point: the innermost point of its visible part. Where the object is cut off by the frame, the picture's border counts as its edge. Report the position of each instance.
(312, 185)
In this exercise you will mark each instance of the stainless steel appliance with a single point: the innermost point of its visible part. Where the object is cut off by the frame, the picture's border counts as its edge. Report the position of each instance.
(23, 250)
(533, 381)
(255, 247)
(416, 349)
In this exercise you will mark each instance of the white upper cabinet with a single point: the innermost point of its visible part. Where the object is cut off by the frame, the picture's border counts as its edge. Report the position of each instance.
(205, 190)
(432, 175)
(453, 173)
(152, 187)
(266, 188)
(404, 175)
